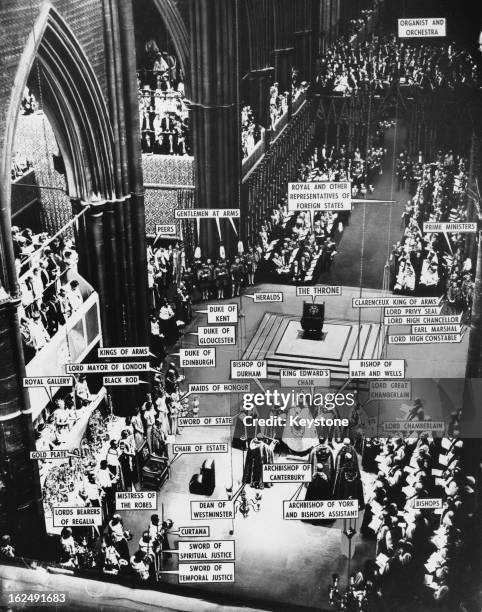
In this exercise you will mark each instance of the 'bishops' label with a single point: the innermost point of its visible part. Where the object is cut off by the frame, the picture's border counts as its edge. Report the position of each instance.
(428, 503)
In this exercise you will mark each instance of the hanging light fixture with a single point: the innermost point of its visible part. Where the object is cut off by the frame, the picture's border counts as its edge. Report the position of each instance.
(242, 503)
(240, 247)
(197, 253)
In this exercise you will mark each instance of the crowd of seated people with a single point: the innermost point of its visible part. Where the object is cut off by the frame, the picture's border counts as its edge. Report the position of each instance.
(48, 298)
(422, 554)
(250, 131)
(379, 62)
(20, 166)
(163, 108)
(423, 262)
(297, 247)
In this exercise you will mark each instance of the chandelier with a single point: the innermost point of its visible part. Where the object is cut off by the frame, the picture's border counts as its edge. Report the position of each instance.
(242, 503)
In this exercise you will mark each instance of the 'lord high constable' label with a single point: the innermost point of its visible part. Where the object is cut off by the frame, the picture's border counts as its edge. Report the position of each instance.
(287, 472)
(377, 368)
(320, 509)
(136, 500)
(422, 27)
(197, 358)
(319, 195)
(425, 339)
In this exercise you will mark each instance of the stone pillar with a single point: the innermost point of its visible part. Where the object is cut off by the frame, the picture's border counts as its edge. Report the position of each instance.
(215, 120)
(21, 509)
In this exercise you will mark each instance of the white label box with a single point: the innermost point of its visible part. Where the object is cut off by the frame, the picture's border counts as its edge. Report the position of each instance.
(267, 297)
(248, 369)
(320, 509)
(205, 572)
(427, 503)
(222, 313)
(436, 329)
(377, 368)
(76, 517)
(390, 390)
(98, 368)
(204, 388)
(319, 195)
(119, 381)
(136, 500)
(287, 472)
(305, 378)
(206, 550)
(203, 531)
(434, 227)
(391, 427)
(123, 351)
(376, 302)
(423, 320)
(212, 509)
(216, 335)
(207, 213)
(412, 311)
(422, 27)
(211, 421)
(321, 291)
(168, 229)
(197, 358)
(425, 339)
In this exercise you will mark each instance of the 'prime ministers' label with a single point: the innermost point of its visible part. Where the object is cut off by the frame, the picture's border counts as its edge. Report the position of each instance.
(248, 369)
(119, 381)
(123, 351)
(377, 368)
(209, 550)
(96, 368)
(305, 378)
(207, 213)
(287, 472)
(390, 390)
(136, 500)
(375, 302)
(319, 195)
(197, 358)
(210, 421)
(320, 509)
(212, 509)
(222, 313)
(318, 291)
(423, 320)
(77, 517)
(391, 427)
(433, 227)
(422, 28)
(216, 334)
(427, 504)
(425, 339)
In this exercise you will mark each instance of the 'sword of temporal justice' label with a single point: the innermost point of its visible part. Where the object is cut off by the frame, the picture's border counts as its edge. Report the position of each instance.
(425, 339)
(77, 517)
(413, 426)
(119, 381)
(432, 227)
(427, 503)
(136, 500)
(390, 390)
(266, 297)
(436, 329)
(412, 311)
(53, 454)
(377, 368)
(215, 334)
(166, 230)
(423, 320)
(422, 28)
(197, 358)
(320, 509)
(208, 421)
(218, 509)
(124, 351)
(319, 195)
(195, 532)
(375, 302)
(317, 291)
(287, 472)
(248, 369)
(207, 213)
(49, 381)
(222, 313)
(305, 378)
(211, 550)
(203, 572)
(120, 366)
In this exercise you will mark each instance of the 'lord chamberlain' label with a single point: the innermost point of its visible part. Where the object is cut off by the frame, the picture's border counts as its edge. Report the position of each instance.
(320, 509)
(377, 368)
(319, 195)
(390, 427)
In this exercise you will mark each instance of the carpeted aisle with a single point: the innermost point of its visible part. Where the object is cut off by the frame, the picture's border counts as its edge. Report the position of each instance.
(382, 229)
